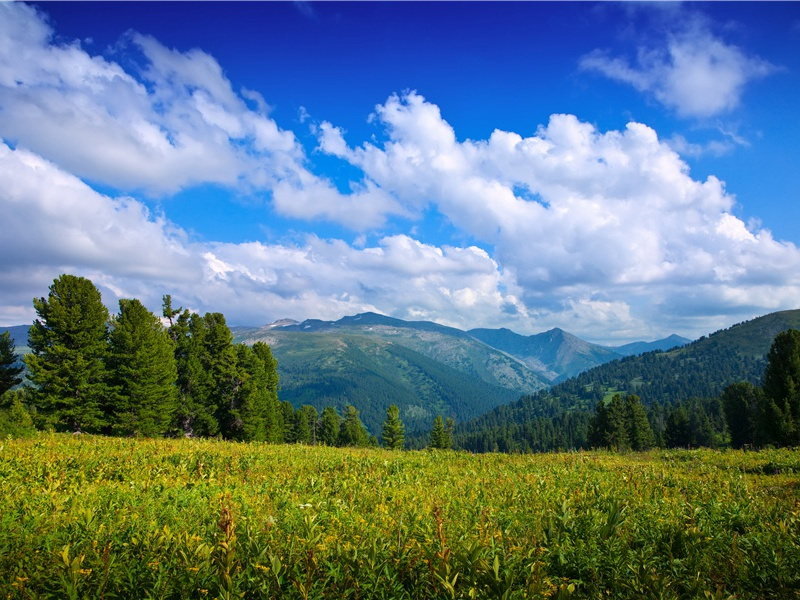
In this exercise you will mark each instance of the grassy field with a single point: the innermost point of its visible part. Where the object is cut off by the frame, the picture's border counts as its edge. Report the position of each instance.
(92, 517)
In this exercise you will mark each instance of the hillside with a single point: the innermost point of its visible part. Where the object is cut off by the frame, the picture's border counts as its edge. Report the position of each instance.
(425, 374)
(701, 369)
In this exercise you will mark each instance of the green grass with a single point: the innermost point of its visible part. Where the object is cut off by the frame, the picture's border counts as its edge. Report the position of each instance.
(93, 517)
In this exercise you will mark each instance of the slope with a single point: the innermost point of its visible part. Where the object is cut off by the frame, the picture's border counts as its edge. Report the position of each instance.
(701, 369)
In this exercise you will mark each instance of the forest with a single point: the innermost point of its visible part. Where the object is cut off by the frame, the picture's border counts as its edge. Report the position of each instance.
(131, 375)
(137, 374)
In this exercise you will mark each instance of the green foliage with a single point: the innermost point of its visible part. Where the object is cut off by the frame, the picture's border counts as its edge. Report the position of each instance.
(92, 517)
(441, 434)
(329, 425)
(782, 389)
(68, 363)
(393, 429)
(15, 418)
(9, 367)
(352, 431)
(143, 372)
(741, 402)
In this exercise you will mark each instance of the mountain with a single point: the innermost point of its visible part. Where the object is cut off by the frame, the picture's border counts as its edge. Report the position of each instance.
(555, 354)
(372, 361)
(635, 348)
(19, 333)
(701, 369)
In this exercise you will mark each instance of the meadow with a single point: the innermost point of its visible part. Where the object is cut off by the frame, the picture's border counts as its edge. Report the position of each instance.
(95, 517)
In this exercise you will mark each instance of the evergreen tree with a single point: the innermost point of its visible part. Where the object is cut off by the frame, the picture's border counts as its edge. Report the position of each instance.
(69, 350)
(741, 402)
(781, 387)
(393, 429)
(639, 431)
(16, 420)
(143, 372)
(352, 431)
(678, 433)
(287, 412)
(701, 427)
(439, 438)
(254, 416)
(305, 419)
(329, 425)
(609, 428)
(9, 369)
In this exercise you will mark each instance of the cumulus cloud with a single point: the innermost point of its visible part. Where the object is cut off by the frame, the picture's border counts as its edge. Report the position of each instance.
(55, 223)
(697, 74)
(575, 213)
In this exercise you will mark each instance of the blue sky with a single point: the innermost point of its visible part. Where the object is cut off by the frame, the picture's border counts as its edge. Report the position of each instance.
(620, 170)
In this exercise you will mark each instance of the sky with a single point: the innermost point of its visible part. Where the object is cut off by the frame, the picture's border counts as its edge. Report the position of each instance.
(622, 171)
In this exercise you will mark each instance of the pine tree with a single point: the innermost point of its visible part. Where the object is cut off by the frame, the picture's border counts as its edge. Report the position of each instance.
(639, 431)
(329, 425)
(9, 368)
(438, 437)
(678, 433)
(741, 402)
(352, 431)
(781, 387)
(143, 372)
(610, 426)
(256, 396)
(393, 429)
(69, 350)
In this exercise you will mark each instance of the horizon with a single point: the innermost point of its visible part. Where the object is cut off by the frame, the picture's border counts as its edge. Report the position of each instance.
(618, 171)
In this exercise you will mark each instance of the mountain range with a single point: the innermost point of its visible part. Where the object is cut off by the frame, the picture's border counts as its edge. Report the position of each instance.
(372, 361)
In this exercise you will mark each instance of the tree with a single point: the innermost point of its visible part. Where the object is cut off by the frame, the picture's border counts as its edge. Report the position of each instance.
(143, 370)
(678, 433)
(439, 439)
(256, 404)
(609, 428)
(781, 387)
(329, 425)
(352, 431)
(741, 402)
(639, 431)
(69, 350)
(393, 429)
(9, 368)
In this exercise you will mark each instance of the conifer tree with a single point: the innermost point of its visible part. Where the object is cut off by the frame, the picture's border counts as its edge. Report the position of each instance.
(352, 431)
(143, 372)
(329, 425)
(678, 433)
(781, 385)
(393, 429)
(639, 431)
(254, 416)
(610, 426)
(9, 369)
(438, 438)
(69, 352)
(741, 402)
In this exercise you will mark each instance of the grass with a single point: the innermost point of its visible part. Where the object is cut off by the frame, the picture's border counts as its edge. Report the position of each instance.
(94, 517)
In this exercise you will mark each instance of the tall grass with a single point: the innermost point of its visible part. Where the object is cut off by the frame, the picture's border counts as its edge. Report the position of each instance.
(94, 517)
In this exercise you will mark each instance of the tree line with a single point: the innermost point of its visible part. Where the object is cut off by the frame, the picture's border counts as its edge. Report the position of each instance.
(583, 413)
(134, 374)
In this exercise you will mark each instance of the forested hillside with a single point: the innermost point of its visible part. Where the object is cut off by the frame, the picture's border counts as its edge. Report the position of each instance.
(693, 376)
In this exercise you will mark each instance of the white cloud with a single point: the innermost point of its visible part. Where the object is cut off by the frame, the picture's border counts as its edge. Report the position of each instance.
(697, 74)
(577, 213)
(179, 125)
